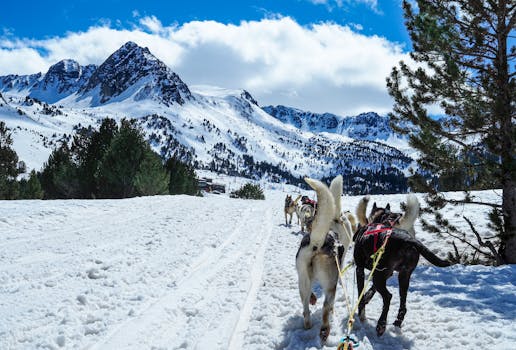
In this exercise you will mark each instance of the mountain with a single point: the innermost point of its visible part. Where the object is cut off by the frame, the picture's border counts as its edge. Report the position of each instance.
(365, 126)
(133, 70)
(61, 80)
(213, 128)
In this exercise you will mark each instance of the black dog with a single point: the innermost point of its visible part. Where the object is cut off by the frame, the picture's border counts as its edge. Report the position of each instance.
(401, 254)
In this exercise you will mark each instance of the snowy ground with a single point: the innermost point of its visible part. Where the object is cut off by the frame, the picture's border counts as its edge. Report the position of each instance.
(179, 272)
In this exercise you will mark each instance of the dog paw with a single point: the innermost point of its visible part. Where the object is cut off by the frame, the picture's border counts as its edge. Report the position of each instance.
(380, 328)
(397, 323)
(313, 299)
(324, 333)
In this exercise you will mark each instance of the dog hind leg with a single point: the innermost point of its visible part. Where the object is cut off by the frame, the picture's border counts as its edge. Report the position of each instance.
(329, 300)
(404, 280)
(360, 285)
(305, 287)
(380, 283)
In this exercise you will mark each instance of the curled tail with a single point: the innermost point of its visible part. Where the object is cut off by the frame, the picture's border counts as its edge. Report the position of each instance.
(325, 212)
(361, 210)
(411, 213)
(431, 257)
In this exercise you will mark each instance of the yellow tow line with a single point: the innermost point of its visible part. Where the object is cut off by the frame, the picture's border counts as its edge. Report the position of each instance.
(344, 344)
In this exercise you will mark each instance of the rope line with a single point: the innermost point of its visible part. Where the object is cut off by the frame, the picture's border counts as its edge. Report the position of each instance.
(348, 343)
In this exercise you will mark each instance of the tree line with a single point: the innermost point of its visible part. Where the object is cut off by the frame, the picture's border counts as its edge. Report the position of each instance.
(113, 161)
(465, 55)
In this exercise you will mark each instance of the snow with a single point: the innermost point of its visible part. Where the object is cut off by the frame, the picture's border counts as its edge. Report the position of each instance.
(180, 272)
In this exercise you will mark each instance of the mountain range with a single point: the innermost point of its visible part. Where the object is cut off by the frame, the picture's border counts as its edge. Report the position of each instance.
(213, 128)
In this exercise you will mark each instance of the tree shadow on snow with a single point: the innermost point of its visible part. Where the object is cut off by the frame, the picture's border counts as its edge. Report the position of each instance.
(486, 291)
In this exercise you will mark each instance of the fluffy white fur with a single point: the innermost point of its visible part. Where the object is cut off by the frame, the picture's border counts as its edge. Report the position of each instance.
(361, 210)
(305, 213)
(411, 213)
(315, 264)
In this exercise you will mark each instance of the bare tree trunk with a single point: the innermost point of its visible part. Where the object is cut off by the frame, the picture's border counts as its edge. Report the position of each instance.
(509, 217)
(504, 114)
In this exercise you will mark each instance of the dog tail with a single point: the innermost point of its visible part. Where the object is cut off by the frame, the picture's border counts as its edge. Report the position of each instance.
(361, 210)
(336, 192)
(352, 220)
(325, 212)
(411, 213)
(431, 257)
(297, 200)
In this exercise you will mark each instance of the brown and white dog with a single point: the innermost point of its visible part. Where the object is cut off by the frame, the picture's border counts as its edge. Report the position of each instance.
(290, 208)
(405, 222)
(315, 260)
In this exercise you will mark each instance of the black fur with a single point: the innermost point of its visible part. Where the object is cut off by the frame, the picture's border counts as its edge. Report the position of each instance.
(401, 254)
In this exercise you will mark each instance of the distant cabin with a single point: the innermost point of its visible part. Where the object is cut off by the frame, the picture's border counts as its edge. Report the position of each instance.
(206, 184)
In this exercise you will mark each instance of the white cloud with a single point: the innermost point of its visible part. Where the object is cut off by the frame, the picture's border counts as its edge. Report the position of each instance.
(152, 24)
(323, 68)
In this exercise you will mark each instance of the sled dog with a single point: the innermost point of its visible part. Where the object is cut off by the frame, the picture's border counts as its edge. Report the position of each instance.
(401, 254)
(305, 214)
(405, 221)
(315, 260)
(290, 208)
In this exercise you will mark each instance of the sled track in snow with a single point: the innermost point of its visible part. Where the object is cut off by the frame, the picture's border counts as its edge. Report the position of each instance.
(237, 338)
(240, 253)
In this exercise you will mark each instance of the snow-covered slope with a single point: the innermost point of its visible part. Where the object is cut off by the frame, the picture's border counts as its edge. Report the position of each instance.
(179, 272)
(214, 128)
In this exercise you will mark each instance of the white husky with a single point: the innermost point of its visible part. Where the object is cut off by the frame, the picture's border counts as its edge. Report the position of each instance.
(315, 260)
(305, 214)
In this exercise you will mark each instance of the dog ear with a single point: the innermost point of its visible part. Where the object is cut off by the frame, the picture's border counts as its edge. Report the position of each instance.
(374, 207)
(388, 207)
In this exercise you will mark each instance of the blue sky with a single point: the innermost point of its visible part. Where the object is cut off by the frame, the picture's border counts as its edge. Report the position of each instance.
(53, 18)
(318, 55)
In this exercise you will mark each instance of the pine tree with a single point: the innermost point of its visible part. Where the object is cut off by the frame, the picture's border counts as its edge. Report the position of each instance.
(121, 162)
(466, 67)
(248, 191)
(151, 178)
(8, 165)
(89, 147)
(31, 188)
(59, 178)
(183, 179)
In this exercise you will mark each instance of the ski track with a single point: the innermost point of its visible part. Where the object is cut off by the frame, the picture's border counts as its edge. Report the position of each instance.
(236, 341)
(163, 313)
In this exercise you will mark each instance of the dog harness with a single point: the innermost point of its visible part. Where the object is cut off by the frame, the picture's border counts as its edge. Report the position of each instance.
(376, 229)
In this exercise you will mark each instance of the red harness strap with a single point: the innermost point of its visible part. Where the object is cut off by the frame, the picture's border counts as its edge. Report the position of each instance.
(375, 229)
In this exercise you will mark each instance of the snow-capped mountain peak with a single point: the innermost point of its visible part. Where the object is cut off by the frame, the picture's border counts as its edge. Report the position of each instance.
(132, 71)
(62, 79)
